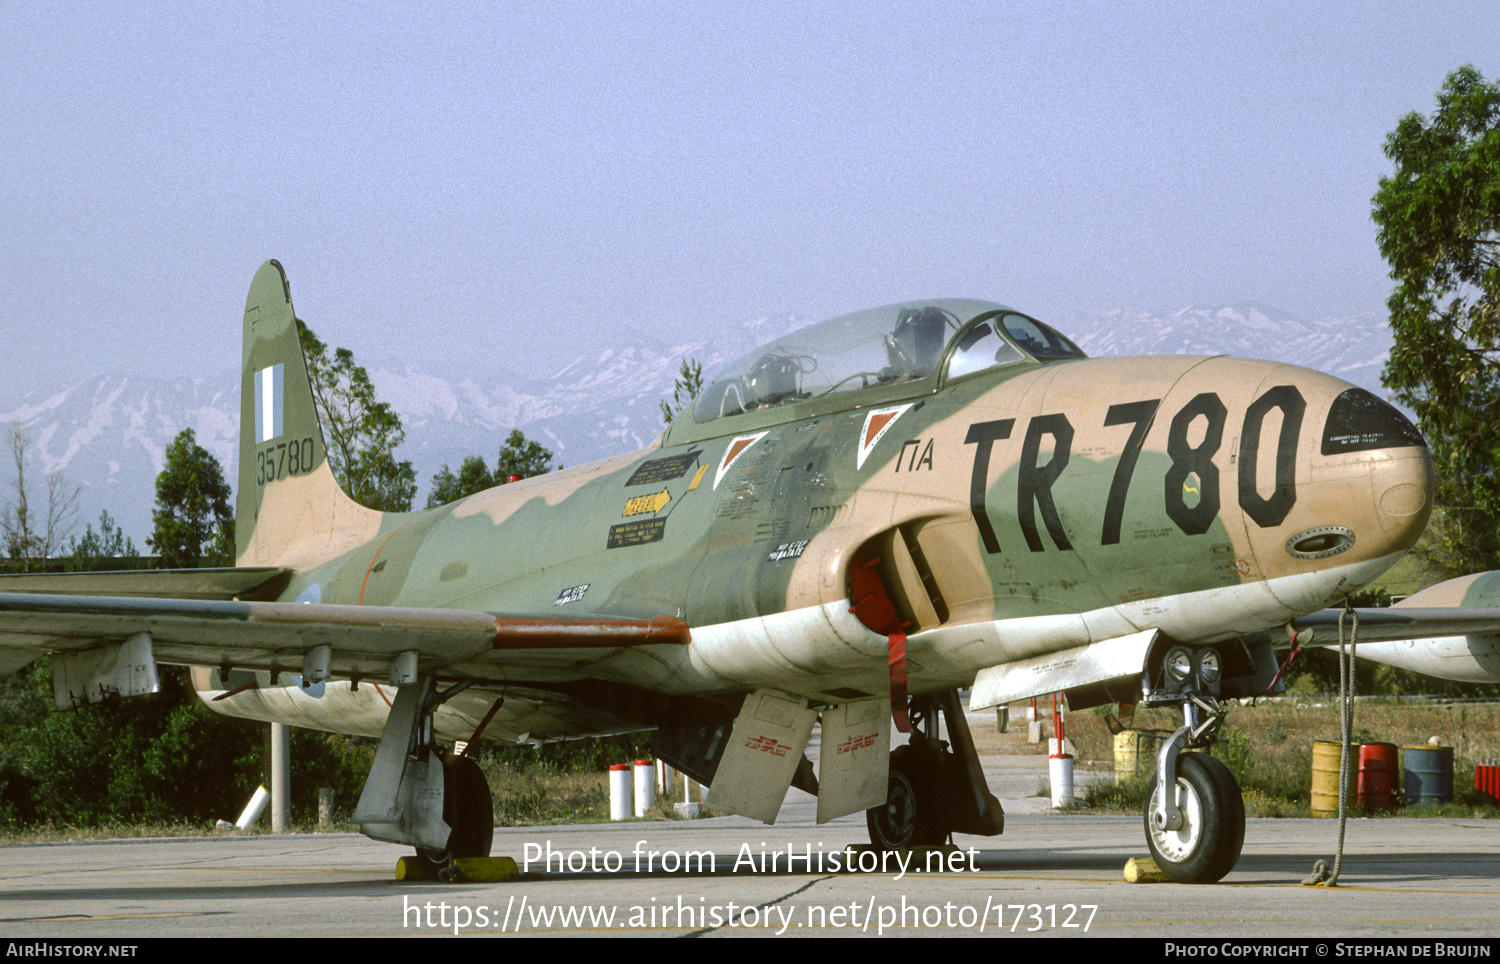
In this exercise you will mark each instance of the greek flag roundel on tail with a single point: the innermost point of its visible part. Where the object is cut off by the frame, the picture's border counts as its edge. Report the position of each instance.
(269, 392)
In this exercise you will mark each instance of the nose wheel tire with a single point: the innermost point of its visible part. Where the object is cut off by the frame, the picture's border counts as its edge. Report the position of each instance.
(1207, 844)
(467, 810)
(912, 813)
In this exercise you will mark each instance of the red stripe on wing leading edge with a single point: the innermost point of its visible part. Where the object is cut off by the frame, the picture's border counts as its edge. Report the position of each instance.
(536, 632)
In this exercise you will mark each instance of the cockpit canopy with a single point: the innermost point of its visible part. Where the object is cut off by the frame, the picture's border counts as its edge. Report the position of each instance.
(880, 346)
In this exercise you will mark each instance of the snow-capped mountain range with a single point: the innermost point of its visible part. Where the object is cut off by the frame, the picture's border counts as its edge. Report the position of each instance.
(108, 432)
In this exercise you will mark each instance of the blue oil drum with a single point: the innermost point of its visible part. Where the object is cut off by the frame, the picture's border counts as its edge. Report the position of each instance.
(1427, 774)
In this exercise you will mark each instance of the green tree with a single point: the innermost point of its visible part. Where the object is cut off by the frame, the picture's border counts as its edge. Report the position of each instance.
(519, 456)
(473, 476)
(522, 457)
(161, 757)
(23, 706)
(193, 524)
(109, 548)
(686, 388)
(363, 432)
(1439, 228)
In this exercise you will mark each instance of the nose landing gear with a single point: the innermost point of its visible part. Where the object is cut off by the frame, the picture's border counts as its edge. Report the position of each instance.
(1195, 813)
(1206, 841)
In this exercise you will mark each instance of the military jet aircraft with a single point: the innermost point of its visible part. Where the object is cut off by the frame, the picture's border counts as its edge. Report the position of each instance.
(848, 525)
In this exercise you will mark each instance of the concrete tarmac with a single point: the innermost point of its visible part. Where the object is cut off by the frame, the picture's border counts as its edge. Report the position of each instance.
(1050, 874)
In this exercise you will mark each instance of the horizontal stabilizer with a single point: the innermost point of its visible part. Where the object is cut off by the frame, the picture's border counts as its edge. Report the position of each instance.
(223, 583)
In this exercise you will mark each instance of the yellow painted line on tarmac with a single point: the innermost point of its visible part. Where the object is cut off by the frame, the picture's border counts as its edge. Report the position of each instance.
(1487, 892)
(71, 918)
(1288, 884)
(1357, 922)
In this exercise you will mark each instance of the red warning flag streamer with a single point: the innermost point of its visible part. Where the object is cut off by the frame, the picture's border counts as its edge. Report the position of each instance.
(898, 681)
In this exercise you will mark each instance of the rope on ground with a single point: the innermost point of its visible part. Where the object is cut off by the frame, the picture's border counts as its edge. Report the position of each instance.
(1321, 875)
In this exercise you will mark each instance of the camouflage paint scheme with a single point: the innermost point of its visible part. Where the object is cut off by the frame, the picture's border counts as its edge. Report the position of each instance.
(995, 507)
(987, 500)
(1473, 657)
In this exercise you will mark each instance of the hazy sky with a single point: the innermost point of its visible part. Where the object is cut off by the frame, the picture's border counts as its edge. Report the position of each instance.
(502, 183)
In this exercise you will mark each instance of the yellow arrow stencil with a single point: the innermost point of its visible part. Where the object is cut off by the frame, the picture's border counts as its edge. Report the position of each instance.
(642, 504)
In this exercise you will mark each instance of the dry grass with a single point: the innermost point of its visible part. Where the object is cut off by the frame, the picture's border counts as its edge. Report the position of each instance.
(537, 797)
(523, 797)
(1269, 748)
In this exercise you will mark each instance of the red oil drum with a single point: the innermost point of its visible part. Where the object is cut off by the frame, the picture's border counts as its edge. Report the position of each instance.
(1377, 776)
(1487, 779)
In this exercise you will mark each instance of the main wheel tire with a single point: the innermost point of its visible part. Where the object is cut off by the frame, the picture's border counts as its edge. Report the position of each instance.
(912, 815)
(467, 810)
(1207, 845)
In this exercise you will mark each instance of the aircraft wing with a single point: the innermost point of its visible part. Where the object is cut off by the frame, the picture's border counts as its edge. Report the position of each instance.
(1395, 624)
(276, 635)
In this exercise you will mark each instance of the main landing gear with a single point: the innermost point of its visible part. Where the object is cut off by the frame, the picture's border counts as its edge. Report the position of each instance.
(1195, 814)
(416, 795)
(469, 810)
(934, 791)
(913, 814)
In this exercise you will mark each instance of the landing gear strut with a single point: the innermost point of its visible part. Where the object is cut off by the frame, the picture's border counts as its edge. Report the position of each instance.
(934, 791)
(1196, 826)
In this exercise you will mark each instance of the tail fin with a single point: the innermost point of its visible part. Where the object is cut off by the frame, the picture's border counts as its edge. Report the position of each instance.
(289, 509)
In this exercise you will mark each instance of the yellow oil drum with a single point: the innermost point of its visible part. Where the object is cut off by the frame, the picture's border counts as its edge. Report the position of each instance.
(1135, 753)
(1325, 777)
(1377, 776)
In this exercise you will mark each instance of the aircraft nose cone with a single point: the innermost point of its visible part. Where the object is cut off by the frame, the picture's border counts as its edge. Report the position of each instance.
(1363, 429)
(1403, 501)
(1359, 500)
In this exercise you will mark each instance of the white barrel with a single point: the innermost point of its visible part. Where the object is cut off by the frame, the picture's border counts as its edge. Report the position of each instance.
(253, 809)
(619, 791)
(645, 787)
(1060, 768)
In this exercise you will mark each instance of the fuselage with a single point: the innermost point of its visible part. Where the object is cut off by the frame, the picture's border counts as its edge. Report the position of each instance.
(996, 506)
